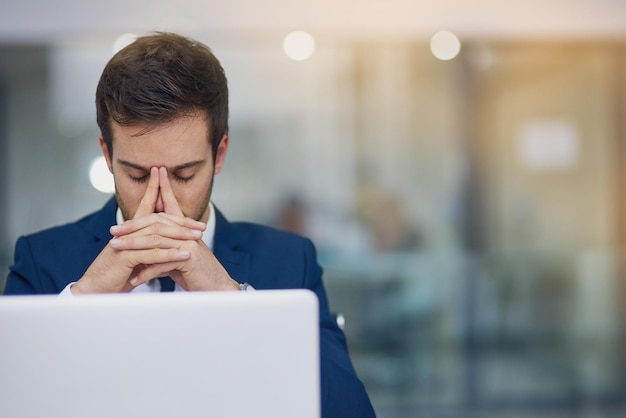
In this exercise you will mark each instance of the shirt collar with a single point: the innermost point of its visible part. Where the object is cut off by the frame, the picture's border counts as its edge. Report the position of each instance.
(209, 234)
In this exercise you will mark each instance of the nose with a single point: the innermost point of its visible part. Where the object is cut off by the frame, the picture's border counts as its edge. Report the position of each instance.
(159, 206)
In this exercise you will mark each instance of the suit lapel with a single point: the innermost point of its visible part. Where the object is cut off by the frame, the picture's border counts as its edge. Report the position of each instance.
(98, 226)
(227, 249)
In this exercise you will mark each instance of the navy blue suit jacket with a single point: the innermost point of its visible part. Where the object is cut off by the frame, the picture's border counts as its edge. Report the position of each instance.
(266, 258)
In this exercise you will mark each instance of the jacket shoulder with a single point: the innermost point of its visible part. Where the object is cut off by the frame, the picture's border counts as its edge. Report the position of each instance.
(265, 239)
(45, 261)
(71, 229)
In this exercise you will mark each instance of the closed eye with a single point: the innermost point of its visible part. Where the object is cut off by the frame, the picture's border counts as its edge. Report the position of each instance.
(140, 179)
(183, 179)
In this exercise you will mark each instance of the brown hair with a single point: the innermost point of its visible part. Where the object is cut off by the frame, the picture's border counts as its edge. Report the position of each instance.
(159, 78)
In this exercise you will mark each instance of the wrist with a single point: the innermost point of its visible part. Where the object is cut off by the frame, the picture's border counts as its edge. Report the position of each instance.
(75, 289)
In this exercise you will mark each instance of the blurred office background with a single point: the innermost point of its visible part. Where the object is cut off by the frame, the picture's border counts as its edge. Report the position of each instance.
(469, 209)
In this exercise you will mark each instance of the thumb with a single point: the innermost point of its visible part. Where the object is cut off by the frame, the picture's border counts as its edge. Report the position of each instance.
(170, 204)
(148, 202)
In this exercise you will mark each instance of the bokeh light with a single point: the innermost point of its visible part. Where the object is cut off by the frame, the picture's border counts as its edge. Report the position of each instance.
(100, 177)
(299, 45)
(445, 45)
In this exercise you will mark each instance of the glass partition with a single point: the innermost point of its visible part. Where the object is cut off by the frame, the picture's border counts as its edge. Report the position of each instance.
(469, 213)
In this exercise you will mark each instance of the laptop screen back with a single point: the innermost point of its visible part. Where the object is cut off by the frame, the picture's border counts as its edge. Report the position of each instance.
(227, 354)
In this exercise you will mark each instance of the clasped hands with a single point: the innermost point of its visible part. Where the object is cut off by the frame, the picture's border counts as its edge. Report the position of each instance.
(155, 245)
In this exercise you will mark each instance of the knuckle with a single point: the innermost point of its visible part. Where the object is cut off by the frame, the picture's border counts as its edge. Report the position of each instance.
(159, 228)
(155, 254)
(156, 240)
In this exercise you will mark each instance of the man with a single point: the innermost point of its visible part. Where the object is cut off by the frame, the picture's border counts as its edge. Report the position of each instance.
(162, 109)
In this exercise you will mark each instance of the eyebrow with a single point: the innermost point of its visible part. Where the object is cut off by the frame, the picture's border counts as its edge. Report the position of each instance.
(147, 169)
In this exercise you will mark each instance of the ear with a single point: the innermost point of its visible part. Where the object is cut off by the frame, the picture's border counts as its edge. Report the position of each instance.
(220, 156)
(105, 152)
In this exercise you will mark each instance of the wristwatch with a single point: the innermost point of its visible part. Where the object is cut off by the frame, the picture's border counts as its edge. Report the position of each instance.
(245, 287)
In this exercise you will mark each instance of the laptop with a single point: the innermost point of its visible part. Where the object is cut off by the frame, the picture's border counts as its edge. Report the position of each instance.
(222, 354)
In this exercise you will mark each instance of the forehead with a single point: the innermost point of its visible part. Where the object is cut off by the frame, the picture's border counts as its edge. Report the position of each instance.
(169, 144)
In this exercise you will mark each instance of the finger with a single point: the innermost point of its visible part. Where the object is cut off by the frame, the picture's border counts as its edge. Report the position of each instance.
(153, 271)
(182, 221)
(148, 202)
(129, 286)
(146, 242)
(138, 224)
(167, 194)
(154, 256)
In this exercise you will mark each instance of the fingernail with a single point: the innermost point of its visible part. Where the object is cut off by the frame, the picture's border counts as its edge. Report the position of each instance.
(116, 241)
(196, 233)
(184, 253)
(115, 228)
(134, 281)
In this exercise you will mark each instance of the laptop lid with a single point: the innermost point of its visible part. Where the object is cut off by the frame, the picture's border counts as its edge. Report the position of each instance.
(223, 354)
